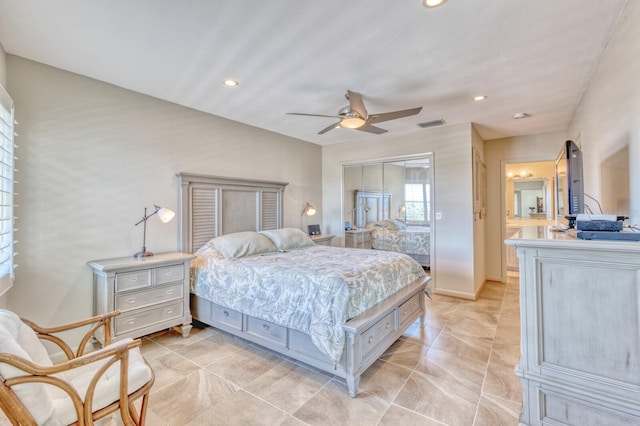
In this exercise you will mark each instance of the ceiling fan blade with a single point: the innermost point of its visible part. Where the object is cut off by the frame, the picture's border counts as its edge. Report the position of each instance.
(356, 103)
(312, 115)
(326, 129)
(386, 116)
(372, 129)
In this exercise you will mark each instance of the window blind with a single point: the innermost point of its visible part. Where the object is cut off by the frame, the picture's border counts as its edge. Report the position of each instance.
(7, 167)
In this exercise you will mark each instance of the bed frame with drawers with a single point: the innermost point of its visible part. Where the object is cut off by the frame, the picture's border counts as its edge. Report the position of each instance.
(211, 206)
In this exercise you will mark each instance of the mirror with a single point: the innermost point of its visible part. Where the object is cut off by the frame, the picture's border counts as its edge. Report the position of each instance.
(387, 206)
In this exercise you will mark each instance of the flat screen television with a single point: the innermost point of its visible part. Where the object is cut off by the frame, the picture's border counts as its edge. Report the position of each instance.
(569, 183)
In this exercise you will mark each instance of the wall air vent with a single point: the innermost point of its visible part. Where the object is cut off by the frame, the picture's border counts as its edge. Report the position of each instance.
(432, 123)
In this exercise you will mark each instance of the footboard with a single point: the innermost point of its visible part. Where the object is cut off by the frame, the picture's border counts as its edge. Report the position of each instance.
(368, 335)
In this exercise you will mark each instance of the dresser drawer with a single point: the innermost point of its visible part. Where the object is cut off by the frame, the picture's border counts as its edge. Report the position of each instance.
(152, 296)
(408, 308)
(267, 330)
(139, 319)
(169, 274)
(132, 280)
(376, 334)
(226, 316)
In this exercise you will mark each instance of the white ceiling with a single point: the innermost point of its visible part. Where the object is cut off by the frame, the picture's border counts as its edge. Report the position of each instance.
(296, 56)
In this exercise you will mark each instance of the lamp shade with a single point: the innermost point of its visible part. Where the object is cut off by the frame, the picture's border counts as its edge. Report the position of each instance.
(165, 214)
(309, 210)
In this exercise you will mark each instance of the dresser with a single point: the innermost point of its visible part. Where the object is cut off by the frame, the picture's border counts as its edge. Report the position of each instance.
(323, 240)
(580, 329)
(358, 238)
(152, 293)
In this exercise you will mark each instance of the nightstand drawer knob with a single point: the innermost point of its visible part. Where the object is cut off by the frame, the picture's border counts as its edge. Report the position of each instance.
(265, 326)
(170, 292)
(131, 301)
(169, 273)
(370, 339)
(131, 321)
(170, 311)
(387, 326)
(133, 279)
(225, 313)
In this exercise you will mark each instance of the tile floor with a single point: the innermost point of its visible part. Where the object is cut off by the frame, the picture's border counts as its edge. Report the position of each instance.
(456, 369)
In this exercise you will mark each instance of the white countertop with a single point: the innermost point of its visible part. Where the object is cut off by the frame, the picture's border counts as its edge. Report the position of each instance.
(544, 236)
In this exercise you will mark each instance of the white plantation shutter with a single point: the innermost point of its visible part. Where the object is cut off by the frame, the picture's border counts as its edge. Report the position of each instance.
(7, 161)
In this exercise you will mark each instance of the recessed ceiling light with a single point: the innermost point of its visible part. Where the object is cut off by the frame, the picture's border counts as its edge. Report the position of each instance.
(230, 82)
(432, 3)
(480, 98)
(519, 115)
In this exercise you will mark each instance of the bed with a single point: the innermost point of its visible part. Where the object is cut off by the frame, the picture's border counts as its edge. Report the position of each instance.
(394, 235)
(275, 287)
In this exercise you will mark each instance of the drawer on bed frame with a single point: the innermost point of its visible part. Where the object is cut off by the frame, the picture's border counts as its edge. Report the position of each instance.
(375, 335)
(266, 330)
(407, 310)
(226, 316)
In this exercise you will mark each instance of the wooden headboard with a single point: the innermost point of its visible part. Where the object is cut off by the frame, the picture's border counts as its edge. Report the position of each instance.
(210, 206)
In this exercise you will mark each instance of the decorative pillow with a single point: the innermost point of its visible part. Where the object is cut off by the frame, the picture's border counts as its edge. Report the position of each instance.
(289, 238)
(240, 244)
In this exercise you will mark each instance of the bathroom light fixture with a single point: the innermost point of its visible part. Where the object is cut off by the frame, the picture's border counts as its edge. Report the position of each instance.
(309, 210)
(432, 3)
(165, 216)
(229, 82)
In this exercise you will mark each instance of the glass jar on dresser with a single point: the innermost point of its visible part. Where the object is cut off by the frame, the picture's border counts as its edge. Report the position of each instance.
(152, 293)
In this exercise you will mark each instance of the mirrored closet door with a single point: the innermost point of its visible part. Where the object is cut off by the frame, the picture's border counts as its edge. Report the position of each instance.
(388, 206)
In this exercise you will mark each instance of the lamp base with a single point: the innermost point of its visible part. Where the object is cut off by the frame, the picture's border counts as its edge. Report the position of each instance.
(143, 253)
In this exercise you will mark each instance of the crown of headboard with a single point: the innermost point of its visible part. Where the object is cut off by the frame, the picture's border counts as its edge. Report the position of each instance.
(210, 206)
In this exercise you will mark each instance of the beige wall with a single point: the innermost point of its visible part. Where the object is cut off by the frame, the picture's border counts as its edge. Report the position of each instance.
(608, 115)
(453, 257)
(93, 155)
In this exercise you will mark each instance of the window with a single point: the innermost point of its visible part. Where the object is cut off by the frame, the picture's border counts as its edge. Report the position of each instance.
(418, 203)
(6, 185)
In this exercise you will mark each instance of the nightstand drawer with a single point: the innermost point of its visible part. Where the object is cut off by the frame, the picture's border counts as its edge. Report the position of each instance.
(139, 319)
(131, 280)
(152, 296)
(169, 274)
(267, 330)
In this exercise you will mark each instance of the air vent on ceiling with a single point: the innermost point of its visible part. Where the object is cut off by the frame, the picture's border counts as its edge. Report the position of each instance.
(432, 123)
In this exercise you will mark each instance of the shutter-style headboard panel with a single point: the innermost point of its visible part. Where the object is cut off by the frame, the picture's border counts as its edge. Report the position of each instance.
(210, 206)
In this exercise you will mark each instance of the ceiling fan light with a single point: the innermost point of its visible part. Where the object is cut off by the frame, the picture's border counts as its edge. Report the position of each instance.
(432, 3)
(352, 122)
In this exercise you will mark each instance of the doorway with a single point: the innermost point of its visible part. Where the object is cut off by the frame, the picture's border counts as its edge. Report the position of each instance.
(529, 200)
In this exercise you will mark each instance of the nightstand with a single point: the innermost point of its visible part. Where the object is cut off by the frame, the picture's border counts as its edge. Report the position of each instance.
(323, 240)
(152, 293)
(358, 238)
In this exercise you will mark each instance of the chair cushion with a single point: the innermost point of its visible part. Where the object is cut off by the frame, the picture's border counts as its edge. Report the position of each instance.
(108, 387)
(17, 338)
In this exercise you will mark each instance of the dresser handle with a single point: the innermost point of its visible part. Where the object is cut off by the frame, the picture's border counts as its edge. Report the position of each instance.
(170, 311)
(168, 274)
(131, 321)
(387, 326)
(265, 326)
(131, 301)
(370, 339)
(133, 279)
(225, 313)
(170, 292)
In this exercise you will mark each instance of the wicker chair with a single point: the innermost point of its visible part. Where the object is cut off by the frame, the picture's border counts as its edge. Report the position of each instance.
(84, 388)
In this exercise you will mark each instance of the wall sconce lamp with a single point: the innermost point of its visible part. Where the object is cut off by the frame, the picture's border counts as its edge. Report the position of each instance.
(165, 216)
(309, 210)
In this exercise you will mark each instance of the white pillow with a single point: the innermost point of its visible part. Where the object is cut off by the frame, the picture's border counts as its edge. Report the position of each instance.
(240, 244)
(289, 238)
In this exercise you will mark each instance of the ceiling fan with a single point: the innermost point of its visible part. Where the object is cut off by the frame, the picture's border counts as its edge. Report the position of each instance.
(355, 116)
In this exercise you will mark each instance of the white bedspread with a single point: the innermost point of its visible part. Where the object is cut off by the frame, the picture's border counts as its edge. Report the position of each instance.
(314, 290)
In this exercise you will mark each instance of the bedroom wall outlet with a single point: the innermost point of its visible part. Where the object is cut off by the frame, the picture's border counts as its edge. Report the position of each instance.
(438, 215)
